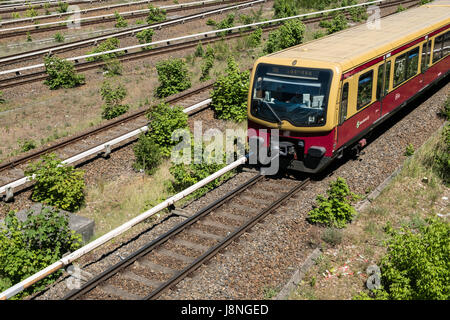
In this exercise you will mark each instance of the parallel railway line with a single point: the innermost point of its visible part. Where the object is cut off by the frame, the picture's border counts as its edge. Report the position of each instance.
(59, 25)
(21, 79)
(159, 265)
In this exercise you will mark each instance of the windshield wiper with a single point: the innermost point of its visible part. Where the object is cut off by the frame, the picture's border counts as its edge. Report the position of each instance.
(273, 112)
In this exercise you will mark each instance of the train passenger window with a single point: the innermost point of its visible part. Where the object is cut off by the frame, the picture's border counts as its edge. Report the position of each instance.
(344, 103)
(437, 49)
(412, 63)
(399, 69)
(446, 44)
(381, 80)
(426, 48)
(364, 89)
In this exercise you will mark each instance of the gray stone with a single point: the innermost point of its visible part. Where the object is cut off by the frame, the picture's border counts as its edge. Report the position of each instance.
(79, 224)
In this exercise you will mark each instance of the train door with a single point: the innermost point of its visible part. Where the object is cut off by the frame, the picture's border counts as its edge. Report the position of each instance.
(383, 76)
(343, 110)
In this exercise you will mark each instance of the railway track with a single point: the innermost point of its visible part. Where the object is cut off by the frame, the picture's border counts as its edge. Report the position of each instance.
(168, 48)
(60, 25)
(13, 170)
(56, 15)
(161, 264)
(130, 32)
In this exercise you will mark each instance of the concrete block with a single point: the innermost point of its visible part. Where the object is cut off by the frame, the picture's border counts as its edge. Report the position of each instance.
(79, 224)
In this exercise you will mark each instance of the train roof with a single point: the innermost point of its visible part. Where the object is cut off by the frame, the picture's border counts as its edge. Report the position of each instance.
(354, 46)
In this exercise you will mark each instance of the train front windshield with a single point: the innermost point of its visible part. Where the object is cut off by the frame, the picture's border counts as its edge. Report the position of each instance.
(298, 95)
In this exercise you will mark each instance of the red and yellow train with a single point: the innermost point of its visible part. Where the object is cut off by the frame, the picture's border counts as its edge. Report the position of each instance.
(326, 95)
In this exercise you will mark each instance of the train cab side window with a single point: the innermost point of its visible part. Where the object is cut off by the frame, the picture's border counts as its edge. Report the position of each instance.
(399, 69)
(344, 103)
(447, 44)
(364, 89)
(437, 49)
(412, 63)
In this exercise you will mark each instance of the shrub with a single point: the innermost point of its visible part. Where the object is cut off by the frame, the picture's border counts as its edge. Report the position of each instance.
(2, 100)
(173, 77)
(229, 96)
(26, 145)
(155, 15)
(338, 23)
(416, 266)
(113, 67)
(228, 22)
(29, 39)
(148, 154)
(409, 150)
(289, 34)
(58, 37)
(358, 13)
(31, 13)
(335, 210)
(113, 96)
(120, 21)
(163, 121)
(108, 44)
(61, 74)
(28, 247)
(145, 36)
(254, 39)
(62, 7)
(285, 8)
(199, 50)
(400, 8)
(207, 64)
(57, 184)
(211, 22)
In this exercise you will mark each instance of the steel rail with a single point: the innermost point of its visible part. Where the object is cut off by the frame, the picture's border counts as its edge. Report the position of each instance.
(58, 25)
(9, 188)
(80, 11)
(111, 271)
(14, 58)
(225, 242)
(24, 5)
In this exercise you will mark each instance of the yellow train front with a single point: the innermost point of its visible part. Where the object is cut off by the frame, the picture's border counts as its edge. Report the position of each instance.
(326, 95)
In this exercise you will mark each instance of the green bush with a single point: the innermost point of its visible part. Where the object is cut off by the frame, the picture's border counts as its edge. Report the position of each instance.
(31, 13)
(58, 37)
(155, 15)
(409, 150)
(113, 67)
(148, 154)
(416, 266)
(113, 96)
(2, 100)
(289, 34)
(30, 246)
(57, 184)
(173, 76)
(338, 23)
(120, 21)
(228, 22)
(335, 210)
(26, 144)
(199, 50)
(108, 44)
(62, 7)
(207, 64)
(229, 96)
(163, 121)
(254, 39)
(145, 36)
(61, 73)
(285, 8)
